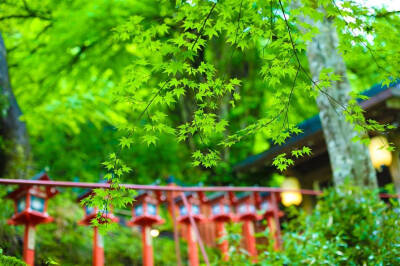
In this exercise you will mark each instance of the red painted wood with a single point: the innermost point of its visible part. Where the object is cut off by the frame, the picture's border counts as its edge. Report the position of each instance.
(249, 239)
(272, 230)
(152, 187)
(147, 247)
(224, 245)
(29, 244)
(98, 248)
(275, 222)
(192, 246)
(195, 230)
(6, 181)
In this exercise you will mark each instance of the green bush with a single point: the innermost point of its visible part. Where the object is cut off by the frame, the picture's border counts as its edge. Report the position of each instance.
(349, 226)
(10, 261)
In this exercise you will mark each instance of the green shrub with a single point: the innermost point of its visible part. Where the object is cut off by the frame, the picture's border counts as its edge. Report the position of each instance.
(10, 261)
(349, 226)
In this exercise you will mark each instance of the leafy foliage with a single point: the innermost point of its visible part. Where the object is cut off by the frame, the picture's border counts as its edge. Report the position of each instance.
(10, 261)
(348, 226)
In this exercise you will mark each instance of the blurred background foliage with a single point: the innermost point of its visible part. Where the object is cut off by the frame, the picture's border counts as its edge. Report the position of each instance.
(66, 62)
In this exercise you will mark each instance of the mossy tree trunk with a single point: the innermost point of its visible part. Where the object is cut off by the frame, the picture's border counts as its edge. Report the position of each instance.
(14, 141)
(348, 159)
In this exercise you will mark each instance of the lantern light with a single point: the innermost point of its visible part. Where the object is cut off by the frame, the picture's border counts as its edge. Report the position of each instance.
(291, 197)
(154, 232)
(37, 204)
(220, 207)
(194, 207)
(145, 210)
(379, 153)
(246, 208)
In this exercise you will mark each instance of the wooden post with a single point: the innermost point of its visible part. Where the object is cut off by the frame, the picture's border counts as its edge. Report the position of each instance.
(192, 246)
(29, 244)
(276, 221)
(395, 170)
(172, 212)
(272, 230)
(249, 239)
(147, 246)
(224, 245)
(98, 248)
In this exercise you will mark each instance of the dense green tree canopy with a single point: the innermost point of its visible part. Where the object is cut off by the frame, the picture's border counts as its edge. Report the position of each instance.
(71, 63)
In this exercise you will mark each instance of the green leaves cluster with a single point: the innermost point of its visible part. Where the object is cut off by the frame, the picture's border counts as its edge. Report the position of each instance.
(116, 196)
(349, 225)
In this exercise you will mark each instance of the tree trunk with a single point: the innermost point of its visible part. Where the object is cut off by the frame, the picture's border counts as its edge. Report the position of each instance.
(348, 159)
(14, 142)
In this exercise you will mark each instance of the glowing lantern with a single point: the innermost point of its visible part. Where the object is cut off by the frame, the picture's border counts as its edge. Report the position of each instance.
(291, 197)
(378, 150)
(154, 232)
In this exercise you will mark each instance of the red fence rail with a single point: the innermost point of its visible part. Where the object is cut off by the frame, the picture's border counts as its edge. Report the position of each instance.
(6, 181)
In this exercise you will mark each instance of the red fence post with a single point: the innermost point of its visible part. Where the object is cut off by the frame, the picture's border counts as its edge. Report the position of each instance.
(276, 224)
(98, 248)
(223, 245)
(192, 246)
(29, 244)
(192, 229)
(249, 239)
(147, 244)
(172, 212)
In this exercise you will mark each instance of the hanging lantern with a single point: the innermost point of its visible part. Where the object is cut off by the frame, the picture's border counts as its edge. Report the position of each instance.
(379, 153)
(291, 197)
